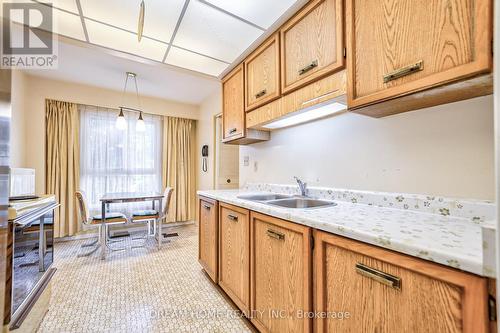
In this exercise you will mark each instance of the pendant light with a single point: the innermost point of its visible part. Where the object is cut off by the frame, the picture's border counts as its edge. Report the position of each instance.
(121, 122)
(140, 126)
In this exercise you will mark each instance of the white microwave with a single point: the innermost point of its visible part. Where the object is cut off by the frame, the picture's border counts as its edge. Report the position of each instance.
(22, 183)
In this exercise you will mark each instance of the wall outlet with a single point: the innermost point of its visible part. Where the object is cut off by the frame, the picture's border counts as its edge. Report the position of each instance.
(246, 161)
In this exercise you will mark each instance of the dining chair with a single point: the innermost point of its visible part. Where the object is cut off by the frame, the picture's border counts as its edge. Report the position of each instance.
(112, 218)
(153, 216)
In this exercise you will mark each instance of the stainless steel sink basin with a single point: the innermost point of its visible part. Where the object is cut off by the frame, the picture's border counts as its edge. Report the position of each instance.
(263, 197)
(302, 203)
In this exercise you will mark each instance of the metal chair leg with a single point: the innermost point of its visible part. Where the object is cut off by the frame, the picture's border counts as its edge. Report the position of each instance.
(94, 242)
(145, 237)
(115, 249)
(86, 254)
(109, 239)
(160, 235)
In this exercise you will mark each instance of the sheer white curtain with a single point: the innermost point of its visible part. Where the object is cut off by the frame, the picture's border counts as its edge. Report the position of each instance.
(114, 160)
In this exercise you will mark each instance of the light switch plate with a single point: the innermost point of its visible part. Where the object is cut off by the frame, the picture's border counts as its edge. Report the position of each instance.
(246, 160)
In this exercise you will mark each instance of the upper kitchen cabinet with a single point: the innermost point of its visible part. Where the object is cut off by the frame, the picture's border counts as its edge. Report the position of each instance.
(312, 44)
(262, 67)
(233, 111)
(398, 50)
(233, 120)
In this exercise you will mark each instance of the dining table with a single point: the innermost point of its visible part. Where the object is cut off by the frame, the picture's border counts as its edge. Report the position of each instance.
(125, 197)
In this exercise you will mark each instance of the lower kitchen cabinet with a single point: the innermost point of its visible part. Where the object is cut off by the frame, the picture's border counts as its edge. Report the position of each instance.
(388, 292)
(234, 254)
(208, 236)
(280, 275)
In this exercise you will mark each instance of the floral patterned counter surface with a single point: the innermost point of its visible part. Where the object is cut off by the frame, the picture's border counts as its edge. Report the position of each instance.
(453, 232)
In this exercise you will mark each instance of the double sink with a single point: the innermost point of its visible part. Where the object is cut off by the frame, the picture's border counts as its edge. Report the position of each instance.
(287, 201)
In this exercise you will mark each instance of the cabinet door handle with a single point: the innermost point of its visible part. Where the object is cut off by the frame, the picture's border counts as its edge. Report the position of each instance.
(232, 217)
(261, 93)
(308, 67)
(233, 130)
(206, 207)
(275, 234)
(413, 68)
(379, 276)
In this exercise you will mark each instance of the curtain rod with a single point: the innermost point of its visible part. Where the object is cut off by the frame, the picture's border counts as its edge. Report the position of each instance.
(117, 110)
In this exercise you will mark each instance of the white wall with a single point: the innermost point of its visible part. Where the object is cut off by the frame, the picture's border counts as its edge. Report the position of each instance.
(445, 150)
(17, 124)
(210, 107)
(36, 90)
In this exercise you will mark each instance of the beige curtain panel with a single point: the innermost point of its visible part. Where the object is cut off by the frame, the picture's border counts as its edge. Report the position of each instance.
(179, 166)
(62, 170)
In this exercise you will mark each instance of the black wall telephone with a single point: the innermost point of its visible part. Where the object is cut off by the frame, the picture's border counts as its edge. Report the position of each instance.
(204, 155)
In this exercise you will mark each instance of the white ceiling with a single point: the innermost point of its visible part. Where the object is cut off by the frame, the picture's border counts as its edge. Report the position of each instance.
(205, 36)
(91, 66)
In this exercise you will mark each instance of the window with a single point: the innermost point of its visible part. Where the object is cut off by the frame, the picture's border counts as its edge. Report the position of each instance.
(114, 160)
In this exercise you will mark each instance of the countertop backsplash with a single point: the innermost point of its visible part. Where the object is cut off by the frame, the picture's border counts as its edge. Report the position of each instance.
(477, 211)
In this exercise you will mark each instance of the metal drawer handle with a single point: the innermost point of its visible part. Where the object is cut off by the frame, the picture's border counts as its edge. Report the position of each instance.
(261, 93)
(308, 67)
(275, 234)
(207, 207)
(413, 68)
(379, 276)
(232, 217)
(233, 130)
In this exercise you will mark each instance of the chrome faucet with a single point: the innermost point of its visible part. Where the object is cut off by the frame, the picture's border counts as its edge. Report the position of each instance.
(302, 186)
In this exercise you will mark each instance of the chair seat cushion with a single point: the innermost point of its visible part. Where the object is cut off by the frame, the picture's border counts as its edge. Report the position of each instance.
(145, 212)
(110, 217)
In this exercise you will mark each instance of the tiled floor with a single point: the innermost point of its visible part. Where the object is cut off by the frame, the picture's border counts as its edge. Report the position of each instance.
(140, 290)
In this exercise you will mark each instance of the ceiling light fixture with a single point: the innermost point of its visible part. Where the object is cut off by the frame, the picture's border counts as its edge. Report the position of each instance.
(308, 114)
(140, 25)
(140, 126)
(121, 123)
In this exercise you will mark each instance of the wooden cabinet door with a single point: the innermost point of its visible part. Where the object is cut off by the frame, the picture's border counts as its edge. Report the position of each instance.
(233, 105)
(208, 236)
(262, 80)
(384, 291)
(234, 254)
(312, 44)
(280, 274)
(400, 47)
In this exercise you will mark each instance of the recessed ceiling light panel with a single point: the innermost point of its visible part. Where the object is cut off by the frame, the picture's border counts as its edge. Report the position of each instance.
(260, 12)
(160, 16)
(69, 5)
(120, 40)
(195, 62)
(214, 33)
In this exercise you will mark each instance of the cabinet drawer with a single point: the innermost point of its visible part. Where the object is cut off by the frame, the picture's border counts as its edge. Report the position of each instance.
(208, 236)
(234, 254)
(416, 45)
(312, 44)
(262, 79)
(233, 105)
(280, 274)
(388, 292)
